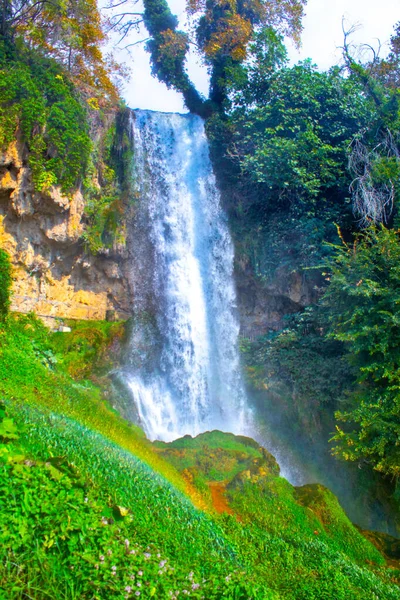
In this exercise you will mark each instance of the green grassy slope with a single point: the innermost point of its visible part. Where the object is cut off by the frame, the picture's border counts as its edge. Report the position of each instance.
(91, 510)
(35, 367)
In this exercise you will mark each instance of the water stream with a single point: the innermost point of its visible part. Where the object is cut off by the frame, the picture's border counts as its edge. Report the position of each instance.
(190, 379)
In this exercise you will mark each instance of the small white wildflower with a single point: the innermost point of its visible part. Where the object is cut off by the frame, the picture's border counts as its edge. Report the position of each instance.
(126, 542)
(132, 551)
(137, 593)
(113, 568)
(128, 589)
(195, 586)
(140, 573)
(86, 500)
(139, 584)
(101, 557)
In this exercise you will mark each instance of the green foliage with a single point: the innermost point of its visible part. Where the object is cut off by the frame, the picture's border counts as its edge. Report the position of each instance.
(293, 141)
(69, 31)
(5, 283)
(281, 157)
(249, 81)
(37, 99)
(301, 551)
(107, 523)
(81, 524)
(311, 512)
(363, 300)
(105, 200)
(32, 371)
(375, 158)
(300, 357)
(85, 350)
(216, 455)
(93, 510)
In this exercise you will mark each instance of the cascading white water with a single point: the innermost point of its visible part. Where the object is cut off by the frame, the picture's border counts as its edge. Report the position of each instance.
(182, 274)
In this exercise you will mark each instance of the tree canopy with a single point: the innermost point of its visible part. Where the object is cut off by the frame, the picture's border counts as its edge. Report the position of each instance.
(222, 33)
(364, 310)
(69, 31)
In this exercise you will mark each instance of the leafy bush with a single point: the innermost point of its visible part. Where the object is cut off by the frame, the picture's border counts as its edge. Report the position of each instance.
(363, 303)
(37, 98)
(5, 283)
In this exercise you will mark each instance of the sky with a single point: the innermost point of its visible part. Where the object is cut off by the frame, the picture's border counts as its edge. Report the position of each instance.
(321, 39)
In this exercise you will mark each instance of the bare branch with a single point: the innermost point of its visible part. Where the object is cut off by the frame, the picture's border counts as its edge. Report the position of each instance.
(372, 202)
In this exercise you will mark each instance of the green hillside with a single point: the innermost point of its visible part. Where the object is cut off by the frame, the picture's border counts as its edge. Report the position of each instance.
(91, 509)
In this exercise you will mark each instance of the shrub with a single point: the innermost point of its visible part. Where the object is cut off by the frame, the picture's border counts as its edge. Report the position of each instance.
(5, 283)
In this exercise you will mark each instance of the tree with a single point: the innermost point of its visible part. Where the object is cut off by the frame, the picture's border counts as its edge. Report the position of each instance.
(292, 128)
(222, 30)
(374, 160)
(70, 31)
(363, 303)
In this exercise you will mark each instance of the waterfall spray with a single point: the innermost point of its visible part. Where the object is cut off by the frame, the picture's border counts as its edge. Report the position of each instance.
(183, 276)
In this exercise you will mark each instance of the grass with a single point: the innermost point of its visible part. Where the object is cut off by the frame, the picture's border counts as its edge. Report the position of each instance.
(89, 520)
(32, 373)
(92, 511)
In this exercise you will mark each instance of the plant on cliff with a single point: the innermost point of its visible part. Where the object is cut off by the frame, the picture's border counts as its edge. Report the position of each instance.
(71, 32)
(39, 101)
(105, 199)
(363, 301)
(5, 283)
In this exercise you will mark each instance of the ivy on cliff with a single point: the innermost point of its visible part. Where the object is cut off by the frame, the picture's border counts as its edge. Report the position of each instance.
(37, 100)
(105, 200)
(5, 283)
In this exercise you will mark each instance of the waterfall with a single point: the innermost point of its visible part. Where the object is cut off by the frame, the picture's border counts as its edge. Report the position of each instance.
(184, 371)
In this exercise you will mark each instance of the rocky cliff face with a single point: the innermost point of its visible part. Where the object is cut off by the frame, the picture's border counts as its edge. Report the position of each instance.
(262, 305)
(53, 274)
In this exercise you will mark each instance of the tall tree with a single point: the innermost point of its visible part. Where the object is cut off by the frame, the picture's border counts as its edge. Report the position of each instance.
(363, 303)
(69, 31)
(375, 152)
(223, 30)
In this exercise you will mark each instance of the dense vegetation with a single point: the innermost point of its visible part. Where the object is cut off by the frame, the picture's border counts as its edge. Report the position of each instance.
(58, 99)
(5, 283)
(309, 164)
(93, 511)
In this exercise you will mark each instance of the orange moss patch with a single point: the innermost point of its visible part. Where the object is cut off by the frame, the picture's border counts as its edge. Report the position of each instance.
(219, 501)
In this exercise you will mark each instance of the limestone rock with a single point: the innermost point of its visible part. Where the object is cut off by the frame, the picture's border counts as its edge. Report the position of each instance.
(53, 275)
